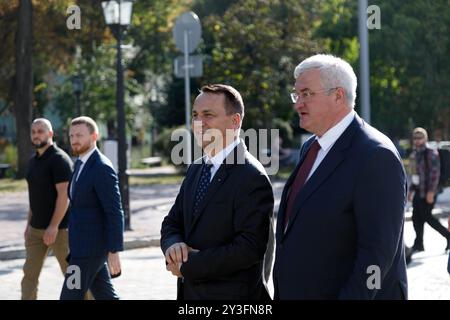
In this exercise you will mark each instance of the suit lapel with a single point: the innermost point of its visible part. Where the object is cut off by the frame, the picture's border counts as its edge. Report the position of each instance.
(217, 181)
(214, 186)
(283, 201)
(192, 189)
(70, 187)
(326, 168)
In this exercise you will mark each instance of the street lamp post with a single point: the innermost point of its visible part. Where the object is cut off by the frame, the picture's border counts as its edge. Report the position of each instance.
(364, 74)
(118, 17)
(77, 86)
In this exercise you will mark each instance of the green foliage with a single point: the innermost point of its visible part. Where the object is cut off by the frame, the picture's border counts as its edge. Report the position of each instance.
(411, 66)
(146, 181)
(409, 60)
(98, 99)
(137, 154)
(53, 43)
(9, 156)
(151, 34)
(12, 185)
(254, 46)
(286, 132)
(163, 144)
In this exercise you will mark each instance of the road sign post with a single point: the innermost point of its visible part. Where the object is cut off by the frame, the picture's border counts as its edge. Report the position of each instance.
(187, 35)
(195, 66)
(187, 90)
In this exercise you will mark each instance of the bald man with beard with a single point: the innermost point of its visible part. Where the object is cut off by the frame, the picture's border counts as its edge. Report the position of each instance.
(49, 172)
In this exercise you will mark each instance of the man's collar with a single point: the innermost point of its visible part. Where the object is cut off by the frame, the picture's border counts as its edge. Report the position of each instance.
(219, 158)
(329, 138)
(47, 151)
(86, 157)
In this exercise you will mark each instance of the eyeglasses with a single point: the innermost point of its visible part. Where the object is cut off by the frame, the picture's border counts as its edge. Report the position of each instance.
(418, 138)
(306, 95)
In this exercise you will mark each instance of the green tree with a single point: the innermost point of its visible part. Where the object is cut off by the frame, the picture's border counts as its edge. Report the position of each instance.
(36, 41)
(98, 98)
(409, 61)
(151, 34)
(255, 45)
(410, 66)
(23, 84)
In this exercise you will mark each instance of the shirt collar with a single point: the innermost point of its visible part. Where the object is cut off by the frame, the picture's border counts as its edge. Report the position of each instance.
(46, 153)
(218, 159)
(331, 136)
(86, 157)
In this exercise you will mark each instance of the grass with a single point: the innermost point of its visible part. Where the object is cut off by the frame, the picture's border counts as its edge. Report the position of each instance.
(145, 181)
(12, 185)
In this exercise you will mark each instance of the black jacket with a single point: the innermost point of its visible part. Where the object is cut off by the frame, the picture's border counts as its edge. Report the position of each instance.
(231, 230)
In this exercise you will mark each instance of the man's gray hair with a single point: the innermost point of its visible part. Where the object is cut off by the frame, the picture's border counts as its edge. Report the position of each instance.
(45, 122)
(334, 72)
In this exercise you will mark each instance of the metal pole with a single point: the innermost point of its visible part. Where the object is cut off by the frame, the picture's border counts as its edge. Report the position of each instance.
(77, 96)
(187, 89)
(364, 60)
(122, 150)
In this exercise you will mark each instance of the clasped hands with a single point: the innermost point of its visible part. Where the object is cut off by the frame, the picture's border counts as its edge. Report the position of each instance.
(176, 254)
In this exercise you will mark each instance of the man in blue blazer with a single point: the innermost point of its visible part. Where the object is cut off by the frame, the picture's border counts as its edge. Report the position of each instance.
(340, 222)
(96, 218)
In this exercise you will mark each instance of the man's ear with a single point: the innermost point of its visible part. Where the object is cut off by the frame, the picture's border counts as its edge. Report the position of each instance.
(94, 136)
(340, 96)
(236, 120)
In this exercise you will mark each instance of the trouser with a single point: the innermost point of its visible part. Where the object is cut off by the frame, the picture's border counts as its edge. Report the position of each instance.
(36, 252)
(421, 214)
(85, 274)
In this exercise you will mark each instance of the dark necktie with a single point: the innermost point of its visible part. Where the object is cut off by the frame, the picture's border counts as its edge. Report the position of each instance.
(300, 179)
(78, 164)
(203, 184)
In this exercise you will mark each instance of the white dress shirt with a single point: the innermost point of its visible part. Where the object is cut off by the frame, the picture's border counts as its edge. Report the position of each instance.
(218, 159)
(84, 159)
(329, 139)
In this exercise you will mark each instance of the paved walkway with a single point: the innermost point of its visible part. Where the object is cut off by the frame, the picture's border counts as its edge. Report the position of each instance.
(144, 275)
(149, 205)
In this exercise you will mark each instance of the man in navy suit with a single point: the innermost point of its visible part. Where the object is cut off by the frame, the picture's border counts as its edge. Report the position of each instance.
(215, 236)
(340, 223)
(96, 218)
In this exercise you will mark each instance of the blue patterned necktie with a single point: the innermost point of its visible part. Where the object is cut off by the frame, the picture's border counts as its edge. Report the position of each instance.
(205, 179)
(75, 174)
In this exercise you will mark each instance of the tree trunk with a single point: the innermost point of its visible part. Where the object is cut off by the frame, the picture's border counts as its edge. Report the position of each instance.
(23, 85)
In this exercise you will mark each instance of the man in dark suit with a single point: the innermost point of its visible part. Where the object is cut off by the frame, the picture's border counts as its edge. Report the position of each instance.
(340, 223)
(215, 236)
(96, 218)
